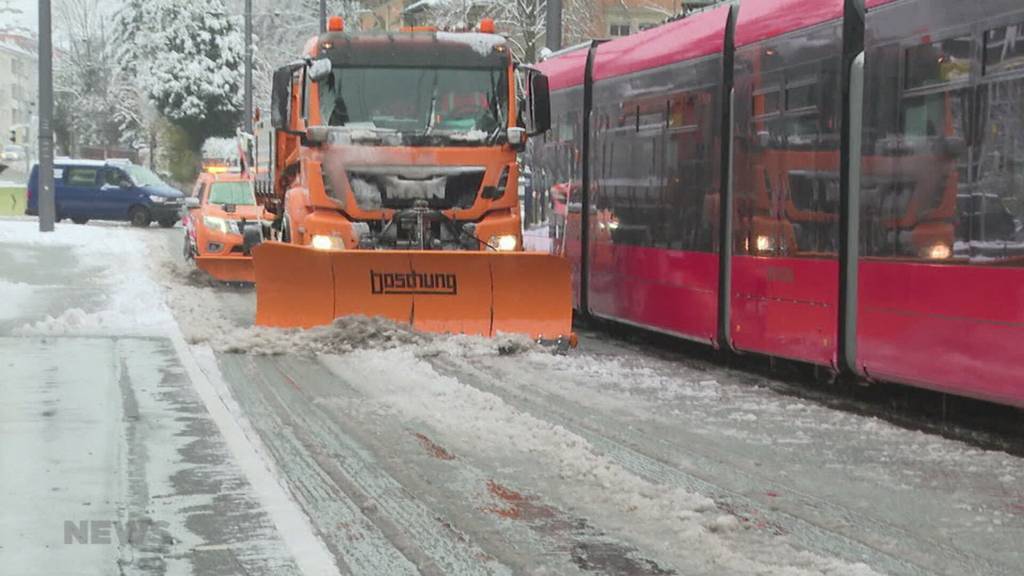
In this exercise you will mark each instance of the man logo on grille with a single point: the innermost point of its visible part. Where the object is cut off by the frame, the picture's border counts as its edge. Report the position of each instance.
(439, 283)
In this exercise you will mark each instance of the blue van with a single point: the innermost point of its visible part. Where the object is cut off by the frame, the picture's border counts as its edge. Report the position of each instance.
(108, 190)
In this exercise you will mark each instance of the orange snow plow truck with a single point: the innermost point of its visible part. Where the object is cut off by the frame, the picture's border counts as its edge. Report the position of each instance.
(395, 167)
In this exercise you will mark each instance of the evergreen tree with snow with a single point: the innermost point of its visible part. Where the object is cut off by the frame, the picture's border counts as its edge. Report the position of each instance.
(188, 58)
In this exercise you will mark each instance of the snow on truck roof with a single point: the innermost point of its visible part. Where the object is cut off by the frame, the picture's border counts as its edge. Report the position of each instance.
(694, 37)
(482, 44)
(763, 19)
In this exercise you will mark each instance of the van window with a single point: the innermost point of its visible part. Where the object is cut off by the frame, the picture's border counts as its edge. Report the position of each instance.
(82, 176)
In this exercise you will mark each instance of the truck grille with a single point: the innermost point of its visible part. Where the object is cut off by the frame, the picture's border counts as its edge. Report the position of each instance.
(396, 187)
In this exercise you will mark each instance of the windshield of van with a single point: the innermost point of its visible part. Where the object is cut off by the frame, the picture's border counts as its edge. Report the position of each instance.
(142, 176)
(237, 193)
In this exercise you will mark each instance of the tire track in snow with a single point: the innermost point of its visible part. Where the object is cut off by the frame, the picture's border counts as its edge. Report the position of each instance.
(518, 528)
(830, 533)
(385, 517)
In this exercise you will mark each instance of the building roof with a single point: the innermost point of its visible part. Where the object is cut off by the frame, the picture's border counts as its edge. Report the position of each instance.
(12, 48)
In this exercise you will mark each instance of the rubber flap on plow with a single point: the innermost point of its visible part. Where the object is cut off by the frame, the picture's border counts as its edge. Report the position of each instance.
(481, 293)
(227, 269)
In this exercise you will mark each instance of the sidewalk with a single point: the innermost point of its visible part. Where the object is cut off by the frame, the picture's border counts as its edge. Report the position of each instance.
(111, 459)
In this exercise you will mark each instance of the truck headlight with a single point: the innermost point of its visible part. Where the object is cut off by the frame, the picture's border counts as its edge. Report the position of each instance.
(322, 242)
(938, 252)
(216, 223)
(504, 243)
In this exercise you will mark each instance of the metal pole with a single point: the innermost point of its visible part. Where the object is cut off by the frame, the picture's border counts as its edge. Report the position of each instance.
(247, 124)
(47, 209)
(554, 25)
(323, 16)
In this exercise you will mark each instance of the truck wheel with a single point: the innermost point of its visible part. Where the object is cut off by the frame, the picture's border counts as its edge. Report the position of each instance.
(139, 217)
(286, 231)
(79, 220)
(252, 238)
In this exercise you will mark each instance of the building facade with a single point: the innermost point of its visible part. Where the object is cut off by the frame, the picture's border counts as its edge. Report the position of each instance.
(18, 87)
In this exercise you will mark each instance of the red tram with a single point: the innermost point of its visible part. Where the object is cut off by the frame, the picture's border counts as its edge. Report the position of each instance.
(817, 180)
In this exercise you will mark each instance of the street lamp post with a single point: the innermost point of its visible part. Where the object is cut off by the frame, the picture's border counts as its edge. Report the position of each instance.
(323, 16)
(47, 208)
(247, 123)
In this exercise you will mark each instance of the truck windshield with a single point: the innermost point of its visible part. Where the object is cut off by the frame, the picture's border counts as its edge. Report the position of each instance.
(142, 176)
(238, 193)
(454, 102)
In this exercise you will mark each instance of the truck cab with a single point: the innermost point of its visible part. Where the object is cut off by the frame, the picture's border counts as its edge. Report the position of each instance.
(403, 140)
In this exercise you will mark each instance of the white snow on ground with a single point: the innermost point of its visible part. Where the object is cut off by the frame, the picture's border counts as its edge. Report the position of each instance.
(15, 296)
(680, 526)
(133, 303)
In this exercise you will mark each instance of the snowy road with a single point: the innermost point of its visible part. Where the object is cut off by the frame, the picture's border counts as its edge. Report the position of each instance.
(442, 455)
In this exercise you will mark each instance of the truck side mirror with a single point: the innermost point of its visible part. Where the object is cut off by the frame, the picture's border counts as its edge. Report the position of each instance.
(320, 69)
(280, 97)
(539, 103)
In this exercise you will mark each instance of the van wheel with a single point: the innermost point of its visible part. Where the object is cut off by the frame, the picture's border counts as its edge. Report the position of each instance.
(79, 220)
(139, 217)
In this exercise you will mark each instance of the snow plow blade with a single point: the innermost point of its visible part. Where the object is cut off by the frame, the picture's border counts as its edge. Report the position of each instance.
(227, 269)
(481, 293)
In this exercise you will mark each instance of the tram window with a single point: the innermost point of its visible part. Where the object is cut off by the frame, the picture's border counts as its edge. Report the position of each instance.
(939, 62)
(1004, 49)
(924, 116)
(766, 103)
(799, 97)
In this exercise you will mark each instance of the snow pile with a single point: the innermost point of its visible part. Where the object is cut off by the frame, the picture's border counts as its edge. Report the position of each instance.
(354, 333)
(15, 296)
(131, 304)
(343, 336)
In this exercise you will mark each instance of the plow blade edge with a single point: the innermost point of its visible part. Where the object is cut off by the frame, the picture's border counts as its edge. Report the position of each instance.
(481, 293)
(227, 269)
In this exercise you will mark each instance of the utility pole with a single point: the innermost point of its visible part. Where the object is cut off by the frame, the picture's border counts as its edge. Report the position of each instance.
(247, 124)
(554, 25)
(47, 208)
(323, 16)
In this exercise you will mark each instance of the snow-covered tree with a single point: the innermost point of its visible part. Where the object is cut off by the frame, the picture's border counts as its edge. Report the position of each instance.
(523, 21)
(187, 61)
(87, 81)
(194, 68)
